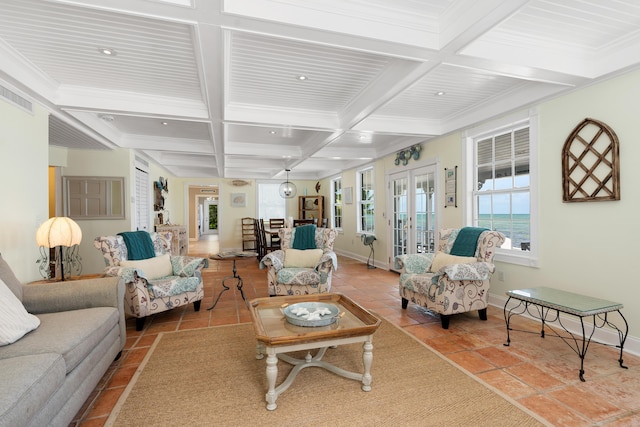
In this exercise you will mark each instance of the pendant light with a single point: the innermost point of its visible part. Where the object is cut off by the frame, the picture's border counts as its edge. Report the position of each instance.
(288, 189)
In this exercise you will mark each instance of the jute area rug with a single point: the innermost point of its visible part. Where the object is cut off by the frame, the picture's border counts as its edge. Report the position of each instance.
(210, 377)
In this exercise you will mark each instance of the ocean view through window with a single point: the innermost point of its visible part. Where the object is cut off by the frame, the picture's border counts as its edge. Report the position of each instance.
(502, 195)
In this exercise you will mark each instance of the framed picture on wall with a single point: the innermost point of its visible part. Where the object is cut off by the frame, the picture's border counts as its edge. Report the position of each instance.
(348, 195)
(450, 187)
(238, 200)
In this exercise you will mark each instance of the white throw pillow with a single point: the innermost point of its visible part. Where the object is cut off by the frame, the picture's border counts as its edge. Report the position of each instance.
(153, 268)
(15, 321)
(441, 259)
(302, 258)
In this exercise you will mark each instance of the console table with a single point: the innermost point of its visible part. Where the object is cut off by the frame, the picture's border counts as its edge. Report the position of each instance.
(549, 303)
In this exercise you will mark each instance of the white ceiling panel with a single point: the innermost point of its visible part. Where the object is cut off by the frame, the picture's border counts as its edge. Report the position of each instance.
(150, 55)
(266, 71)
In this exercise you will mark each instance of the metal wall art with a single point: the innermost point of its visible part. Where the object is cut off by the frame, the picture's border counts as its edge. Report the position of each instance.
(405, 155)
(591, 163)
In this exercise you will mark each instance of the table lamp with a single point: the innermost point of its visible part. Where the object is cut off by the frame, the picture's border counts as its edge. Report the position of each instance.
(57, 232)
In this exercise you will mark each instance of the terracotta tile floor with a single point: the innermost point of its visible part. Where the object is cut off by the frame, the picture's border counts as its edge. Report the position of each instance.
(540, 374)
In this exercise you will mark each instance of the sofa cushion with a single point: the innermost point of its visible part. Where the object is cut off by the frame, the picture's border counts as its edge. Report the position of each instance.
(172, 285)
(441, 259)
(307, 258)
(298, 276)
(28, 382)
(153, 268)
(73, 334)
(15, 321)
(186, 266)
(10, 279)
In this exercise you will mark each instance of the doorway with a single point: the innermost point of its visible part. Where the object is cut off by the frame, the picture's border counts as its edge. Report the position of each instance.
(413, 221)
(209, 218)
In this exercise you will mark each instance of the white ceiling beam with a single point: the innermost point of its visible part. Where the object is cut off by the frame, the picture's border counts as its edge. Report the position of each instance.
(210, 55)
(469, 19)
(84, 98)
(183, 145)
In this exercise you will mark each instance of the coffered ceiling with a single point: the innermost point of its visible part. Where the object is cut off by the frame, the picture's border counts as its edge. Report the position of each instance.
(249, 88)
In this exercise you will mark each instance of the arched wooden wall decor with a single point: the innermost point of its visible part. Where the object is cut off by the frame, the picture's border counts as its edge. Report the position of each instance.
(591, 163)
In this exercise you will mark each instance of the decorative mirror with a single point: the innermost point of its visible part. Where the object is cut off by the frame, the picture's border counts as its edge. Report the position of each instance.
(591, 163)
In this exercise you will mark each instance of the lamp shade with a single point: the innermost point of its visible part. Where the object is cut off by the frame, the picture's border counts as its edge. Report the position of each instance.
(59, 231)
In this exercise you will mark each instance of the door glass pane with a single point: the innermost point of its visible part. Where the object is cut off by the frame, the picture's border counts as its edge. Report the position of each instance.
(424, 213)
(400, 216)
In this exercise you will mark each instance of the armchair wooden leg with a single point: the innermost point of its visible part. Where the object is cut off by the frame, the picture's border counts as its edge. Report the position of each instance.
(405, 302)
(139, 323)
(444, 319)
(482, 313)
(196, 305)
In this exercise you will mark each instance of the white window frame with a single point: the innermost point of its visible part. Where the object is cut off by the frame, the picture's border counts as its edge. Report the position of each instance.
(337, 201)
(142, 205)
(528, 258)
(361, 203)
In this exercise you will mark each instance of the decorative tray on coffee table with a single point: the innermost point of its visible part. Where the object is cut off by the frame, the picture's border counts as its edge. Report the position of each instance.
(273, 327)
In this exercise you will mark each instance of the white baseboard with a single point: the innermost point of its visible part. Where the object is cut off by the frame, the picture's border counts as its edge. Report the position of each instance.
(360, 258)
(602, 335)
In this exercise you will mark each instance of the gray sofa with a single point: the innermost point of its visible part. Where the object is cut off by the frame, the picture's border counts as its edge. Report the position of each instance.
(48, 374)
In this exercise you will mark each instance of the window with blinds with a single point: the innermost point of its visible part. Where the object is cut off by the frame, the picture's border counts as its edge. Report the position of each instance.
(270, 203)
(502, 197)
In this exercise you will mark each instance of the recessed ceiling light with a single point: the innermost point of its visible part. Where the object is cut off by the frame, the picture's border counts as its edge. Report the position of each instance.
(365, 138)
(107, 117)
(302, 78)
(164, 123)
(272, 132)
(440, 93)
(107, 51)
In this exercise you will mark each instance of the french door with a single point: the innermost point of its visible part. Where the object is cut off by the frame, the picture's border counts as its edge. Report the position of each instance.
(412, 222)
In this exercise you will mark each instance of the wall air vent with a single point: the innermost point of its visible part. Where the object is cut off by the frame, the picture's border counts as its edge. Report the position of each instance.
(16, 99)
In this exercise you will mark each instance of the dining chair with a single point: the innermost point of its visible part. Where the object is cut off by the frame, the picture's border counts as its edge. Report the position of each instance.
(249, 238)
(259, 243)
(297, 222)
(276, 223)
(266, 245)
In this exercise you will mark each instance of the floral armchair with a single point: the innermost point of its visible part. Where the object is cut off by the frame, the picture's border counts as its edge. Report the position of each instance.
(448, 284)
(301, 280)
(157, 284)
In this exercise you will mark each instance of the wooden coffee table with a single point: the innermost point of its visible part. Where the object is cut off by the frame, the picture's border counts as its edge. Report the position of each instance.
(277, 336)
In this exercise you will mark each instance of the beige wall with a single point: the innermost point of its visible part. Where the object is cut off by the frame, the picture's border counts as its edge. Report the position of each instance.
(113, 163)
(24, 181)
(587, 247)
